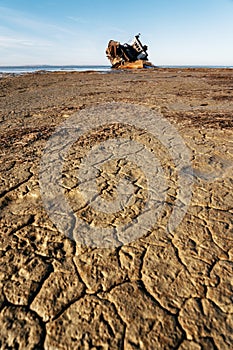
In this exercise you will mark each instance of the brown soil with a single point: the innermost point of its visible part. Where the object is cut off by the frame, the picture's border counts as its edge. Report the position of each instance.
(166, 290)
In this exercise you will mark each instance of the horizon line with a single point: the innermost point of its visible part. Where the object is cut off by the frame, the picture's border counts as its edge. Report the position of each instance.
(107, 65)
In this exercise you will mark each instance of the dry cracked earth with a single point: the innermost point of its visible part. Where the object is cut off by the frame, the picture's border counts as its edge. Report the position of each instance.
(167, 289)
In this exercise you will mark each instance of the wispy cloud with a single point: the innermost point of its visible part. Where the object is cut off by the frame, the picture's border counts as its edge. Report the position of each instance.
(78, 19)
(27, 38)
(13, 42)
(99, 25)
(25, 21)
(117, 30)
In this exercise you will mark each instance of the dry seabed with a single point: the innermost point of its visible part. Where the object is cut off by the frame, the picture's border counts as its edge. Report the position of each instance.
(164, 290)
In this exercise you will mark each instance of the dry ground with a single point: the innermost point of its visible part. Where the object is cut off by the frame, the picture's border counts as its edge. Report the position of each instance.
(166, 290)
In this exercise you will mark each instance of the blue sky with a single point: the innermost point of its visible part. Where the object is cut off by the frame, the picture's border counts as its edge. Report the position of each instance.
(178, 32)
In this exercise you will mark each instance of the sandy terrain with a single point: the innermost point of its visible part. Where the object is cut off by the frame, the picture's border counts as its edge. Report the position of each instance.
(166, 289)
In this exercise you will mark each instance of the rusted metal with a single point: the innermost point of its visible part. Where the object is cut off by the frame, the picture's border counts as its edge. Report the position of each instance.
(132, 55)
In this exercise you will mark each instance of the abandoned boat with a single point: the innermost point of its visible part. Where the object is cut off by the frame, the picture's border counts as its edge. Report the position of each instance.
(132, 55)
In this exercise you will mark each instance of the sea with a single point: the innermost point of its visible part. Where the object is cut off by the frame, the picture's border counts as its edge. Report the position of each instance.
(47, 68)
(74, 68)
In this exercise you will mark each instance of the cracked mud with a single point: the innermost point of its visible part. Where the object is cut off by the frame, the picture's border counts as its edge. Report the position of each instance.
(165, 290)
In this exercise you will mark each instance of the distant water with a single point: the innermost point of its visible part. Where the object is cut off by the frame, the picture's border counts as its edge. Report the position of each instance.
(31, 69)
(196, 67)
(104, 69)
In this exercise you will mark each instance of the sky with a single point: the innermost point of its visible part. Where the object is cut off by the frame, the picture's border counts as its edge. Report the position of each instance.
(76, 32)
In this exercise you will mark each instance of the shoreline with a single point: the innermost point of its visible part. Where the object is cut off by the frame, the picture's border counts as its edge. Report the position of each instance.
(21, 70)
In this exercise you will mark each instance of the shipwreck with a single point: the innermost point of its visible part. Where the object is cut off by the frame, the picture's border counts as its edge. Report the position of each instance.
(132, 55)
